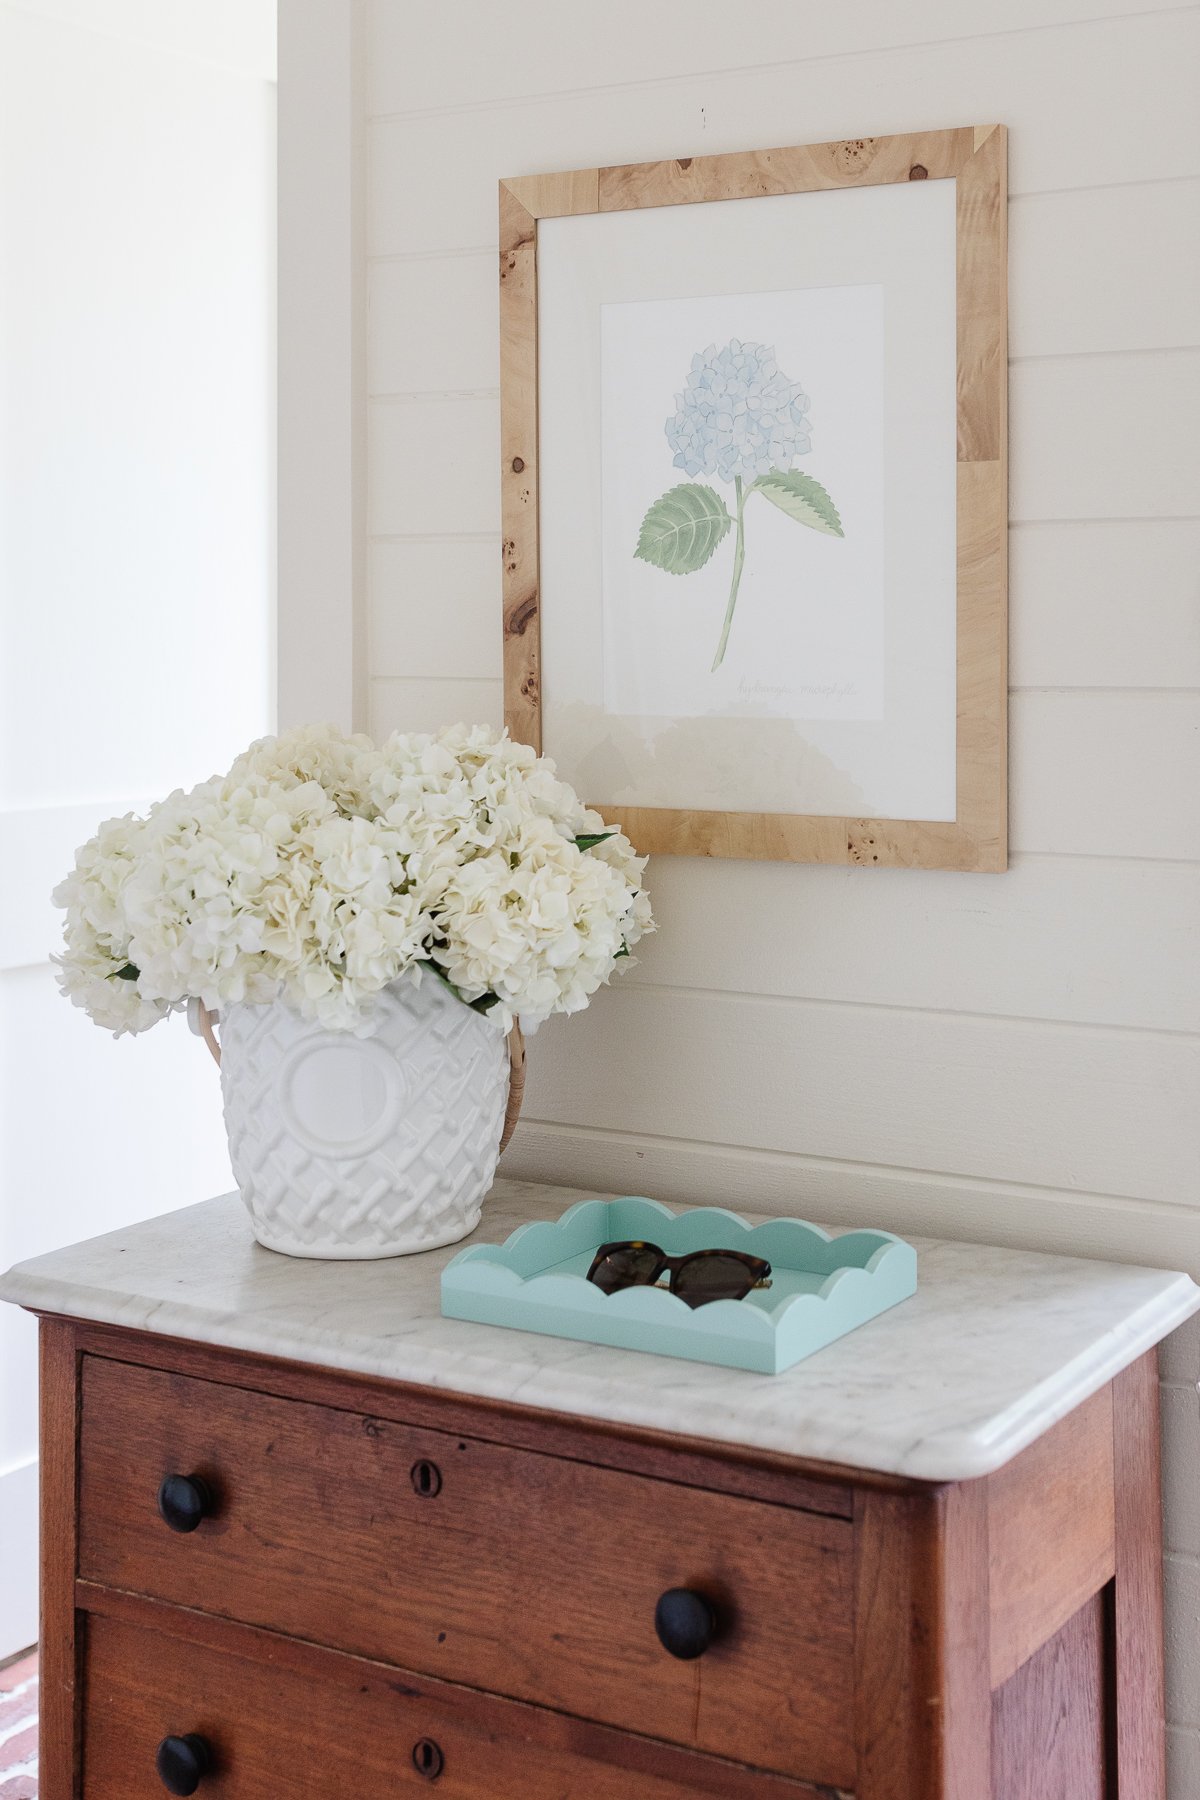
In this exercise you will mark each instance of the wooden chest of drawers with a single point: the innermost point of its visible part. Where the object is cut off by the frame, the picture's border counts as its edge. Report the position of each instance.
(389, 1590)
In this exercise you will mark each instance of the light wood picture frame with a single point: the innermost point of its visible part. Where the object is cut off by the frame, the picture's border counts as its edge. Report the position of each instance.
(975, 159)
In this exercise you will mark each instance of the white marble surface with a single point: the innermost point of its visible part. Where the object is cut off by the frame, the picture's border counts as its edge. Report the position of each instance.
(994, 1348)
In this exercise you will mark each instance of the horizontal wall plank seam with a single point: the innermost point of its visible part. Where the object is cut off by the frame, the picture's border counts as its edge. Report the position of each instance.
(1031, 1190)
(509, 102)
(467, 251)
(1108, 519)
(1045, 356)
(1084, 687)
(489, 250)
(457, 679)
(493, 537)
(1104, 856)
(400, 396)
(433, 537)
(1078, 687)
(1099, 187)
(885, 1006)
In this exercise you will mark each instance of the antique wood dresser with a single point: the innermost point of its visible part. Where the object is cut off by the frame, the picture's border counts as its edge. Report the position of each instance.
(303, 1537)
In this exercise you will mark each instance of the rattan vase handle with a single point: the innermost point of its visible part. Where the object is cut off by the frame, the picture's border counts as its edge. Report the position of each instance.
(516, 1083)
(204, 1024)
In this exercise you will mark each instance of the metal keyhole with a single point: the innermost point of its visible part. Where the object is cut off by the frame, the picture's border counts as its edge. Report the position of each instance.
(426, 1478)
(428, 1759)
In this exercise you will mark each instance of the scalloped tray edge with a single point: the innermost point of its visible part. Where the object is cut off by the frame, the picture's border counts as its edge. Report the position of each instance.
(865, 1273)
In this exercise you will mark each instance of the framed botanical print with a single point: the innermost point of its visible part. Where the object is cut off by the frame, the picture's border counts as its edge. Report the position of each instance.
(754, 477)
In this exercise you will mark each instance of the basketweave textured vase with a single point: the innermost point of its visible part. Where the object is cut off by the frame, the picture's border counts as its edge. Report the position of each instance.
(381, 1145)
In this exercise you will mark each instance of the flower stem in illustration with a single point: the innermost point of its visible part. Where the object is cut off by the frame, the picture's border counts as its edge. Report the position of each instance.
(739, 557)
(742, 421)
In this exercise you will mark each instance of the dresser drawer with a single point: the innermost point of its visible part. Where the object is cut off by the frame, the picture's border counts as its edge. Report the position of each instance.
(321, 1726)
(527, 1575)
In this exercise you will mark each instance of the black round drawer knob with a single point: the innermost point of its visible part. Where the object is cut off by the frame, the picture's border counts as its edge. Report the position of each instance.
(183, 1762)
(183, 1500)
(685, 1622)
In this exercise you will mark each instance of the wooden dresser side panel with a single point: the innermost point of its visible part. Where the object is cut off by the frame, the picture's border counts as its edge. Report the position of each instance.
(1051, 1533)
(1049, 1720)
(58, 1744)
(922, 1689)
(1137, 1611)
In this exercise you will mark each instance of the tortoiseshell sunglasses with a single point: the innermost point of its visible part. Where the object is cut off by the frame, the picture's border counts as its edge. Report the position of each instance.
(697, 1278)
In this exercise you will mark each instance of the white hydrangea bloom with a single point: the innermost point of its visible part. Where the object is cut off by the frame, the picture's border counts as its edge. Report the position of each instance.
(321, 869)
(96, 971)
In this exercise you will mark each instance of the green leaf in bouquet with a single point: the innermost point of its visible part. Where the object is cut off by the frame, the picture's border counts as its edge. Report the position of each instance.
(588, 840)
(129, 973)
(801, 498)
(681, 531)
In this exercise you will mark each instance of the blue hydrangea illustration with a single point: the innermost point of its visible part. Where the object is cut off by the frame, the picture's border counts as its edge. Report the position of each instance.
(741, 420)
(738, 415)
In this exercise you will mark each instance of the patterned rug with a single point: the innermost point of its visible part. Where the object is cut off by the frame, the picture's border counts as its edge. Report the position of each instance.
(18, 1728)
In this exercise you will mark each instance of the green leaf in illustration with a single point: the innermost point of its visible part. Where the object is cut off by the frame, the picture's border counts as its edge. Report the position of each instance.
(681, 531)
(801, 498)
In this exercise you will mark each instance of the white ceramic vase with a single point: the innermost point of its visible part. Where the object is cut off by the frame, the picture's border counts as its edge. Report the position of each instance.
(382, 1145)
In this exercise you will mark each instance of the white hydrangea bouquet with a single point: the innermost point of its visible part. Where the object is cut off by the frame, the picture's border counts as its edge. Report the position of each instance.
(321, 869)
(326, 890)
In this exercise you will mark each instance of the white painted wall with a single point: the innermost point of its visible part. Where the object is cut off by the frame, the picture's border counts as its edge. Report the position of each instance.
(136, 578)
(1012, 1058)
(322, 393)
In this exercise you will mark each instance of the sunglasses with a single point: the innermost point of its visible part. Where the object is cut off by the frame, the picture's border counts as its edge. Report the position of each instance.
(697, 1278)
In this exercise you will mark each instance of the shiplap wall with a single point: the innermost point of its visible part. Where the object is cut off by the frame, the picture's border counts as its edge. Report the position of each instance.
(1006, 1057)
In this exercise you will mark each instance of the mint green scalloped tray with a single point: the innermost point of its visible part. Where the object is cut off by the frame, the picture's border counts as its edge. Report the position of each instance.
(822, 1286)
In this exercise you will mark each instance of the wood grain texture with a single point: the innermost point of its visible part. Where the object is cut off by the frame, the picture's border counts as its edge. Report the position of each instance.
(557, 196)
(59, 1712)
(284, 1717)
(723, 1468)
(795, 169)
(964, 1604)
(1051, 1533)
(1048, 1720)
(1137, 1609)
(921, 1645)
(519, 468)
(981, 197)
(895, 1653)
(320, 1534)
(976, 157)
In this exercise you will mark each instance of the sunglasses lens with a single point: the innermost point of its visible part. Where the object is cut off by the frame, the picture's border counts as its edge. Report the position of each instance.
(633, 1267)
(712, 1278)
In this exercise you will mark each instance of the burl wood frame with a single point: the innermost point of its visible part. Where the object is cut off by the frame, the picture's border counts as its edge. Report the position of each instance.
(975, 157)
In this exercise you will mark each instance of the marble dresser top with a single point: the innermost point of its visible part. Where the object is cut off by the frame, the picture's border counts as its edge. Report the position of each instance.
(995, 1347)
